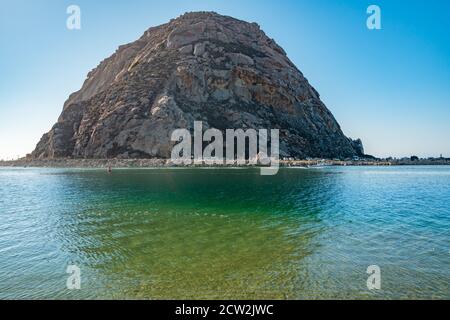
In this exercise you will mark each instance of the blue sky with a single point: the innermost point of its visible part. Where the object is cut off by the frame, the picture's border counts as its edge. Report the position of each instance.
(389, 87)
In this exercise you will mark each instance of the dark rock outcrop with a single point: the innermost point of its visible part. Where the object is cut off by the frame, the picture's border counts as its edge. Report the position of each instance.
(200, 66)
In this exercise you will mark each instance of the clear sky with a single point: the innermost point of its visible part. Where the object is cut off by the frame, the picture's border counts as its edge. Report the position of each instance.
(389, 87)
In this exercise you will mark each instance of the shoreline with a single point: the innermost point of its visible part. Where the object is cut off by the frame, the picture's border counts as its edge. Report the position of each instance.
(167, 163)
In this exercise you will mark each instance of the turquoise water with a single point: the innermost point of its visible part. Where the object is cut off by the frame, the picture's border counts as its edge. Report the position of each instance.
(225, 233)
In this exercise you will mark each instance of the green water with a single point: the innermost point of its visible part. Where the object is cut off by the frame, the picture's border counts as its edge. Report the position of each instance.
(225, 233)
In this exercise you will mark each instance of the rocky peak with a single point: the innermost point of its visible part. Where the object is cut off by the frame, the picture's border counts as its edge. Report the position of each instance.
(200, 66)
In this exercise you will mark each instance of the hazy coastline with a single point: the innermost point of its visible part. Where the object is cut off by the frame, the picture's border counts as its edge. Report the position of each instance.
(155, 163)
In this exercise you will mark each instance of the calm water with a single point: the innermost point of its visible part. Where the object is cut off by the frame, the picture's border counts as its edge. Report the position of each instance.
(225, 233)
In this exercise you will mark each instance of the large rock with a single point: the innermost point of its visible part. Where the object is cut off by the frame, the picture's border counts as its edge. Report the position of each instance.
(200, 66)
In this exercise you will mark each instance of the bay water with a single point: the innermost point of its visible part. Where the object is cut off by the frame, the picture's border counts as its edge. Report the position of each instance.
(216, 233)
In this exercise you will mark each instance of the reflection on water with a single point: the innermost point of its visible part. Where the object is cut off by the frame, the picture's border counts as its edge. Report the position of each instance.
(223, 233)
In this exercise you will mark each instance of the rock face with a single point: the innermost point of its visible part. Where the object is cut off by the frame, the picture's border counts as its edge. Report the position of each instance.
(199, 67)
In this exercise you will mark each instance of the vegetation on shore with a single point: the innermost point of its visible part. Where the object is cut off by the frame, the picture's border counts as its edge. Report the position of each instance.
(153, 163)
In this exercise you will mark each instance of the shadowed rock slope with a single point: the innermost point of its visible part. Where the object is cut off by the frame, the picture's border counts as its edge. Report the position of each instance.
(199, 67)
